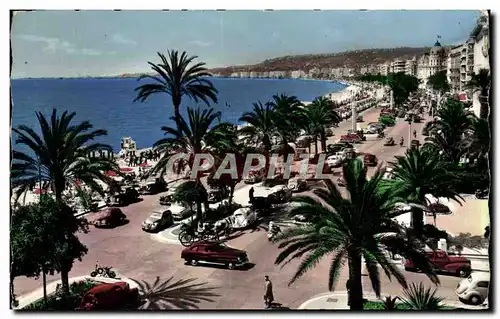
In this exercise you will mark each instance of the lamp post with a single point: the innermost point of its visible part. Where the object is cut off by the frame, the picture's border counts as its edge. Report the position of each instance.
(44, 277)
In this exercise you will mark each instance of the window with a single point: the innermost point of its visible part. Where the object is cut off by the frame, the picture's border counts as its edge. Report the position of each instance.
(483, 284)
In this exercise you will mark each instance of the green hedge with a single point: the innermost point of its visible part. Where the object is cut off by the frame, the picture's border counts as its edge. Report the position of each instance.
(378, 305)
(57, 301)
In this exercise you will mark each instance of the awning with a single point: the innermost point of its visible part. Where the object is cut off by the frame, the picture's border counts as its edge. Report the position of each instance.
(110, 173)
(463, 97)
(145, 164)
(126, 169)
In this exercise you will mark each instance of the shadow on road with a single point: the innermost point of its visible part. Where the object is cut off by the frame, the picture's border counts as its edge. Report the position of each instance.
(169, 294)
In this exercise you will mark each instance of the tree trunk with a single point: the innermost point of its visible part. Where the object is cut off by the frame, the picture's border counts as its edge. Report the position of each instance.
(13, 301)
(323, 141)
(177, 113)
(417, 220)
(65, 277)
(483, 100)
(44, 283)
(231, 193)
(315, 145)
(355, 284)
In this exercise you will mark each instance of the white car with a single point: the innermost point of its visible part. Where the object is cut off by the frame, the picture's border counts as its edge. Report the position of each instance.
(243, 217)
(388, 174)
(180, 212)
(474, 289)
(335, 160)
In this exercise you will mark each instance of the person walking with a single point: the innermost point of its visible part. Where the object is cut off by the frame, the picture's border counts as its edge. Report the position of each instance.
(415, 133)
(268, 292)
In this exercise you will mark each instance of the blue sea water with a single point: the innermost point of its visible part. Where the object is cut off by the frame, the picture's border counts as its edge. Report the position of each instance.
(108, 103)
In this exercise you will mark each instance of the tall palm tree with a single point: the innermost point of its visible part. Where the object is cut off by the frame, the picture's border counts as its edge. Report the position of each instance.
(350, 229)
(449, 128)
(288, 113)
(59, 157)
(197, 135)
(178, 76)
(420, 173)
(481, 82)
(321, 115)
(260, 128)
(477, 143)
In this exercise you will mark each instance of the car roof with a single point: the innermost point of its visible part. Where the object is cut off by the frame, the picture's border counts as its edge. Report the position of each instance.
(480, 276)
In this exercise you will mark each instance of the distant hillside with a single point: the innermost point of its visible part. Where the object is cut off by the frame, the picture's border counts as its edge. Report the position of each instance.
(351, 59)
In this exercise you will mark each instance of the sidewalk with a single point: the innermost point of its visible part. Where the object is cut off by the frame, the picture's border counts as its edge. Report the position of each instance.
(338, 301)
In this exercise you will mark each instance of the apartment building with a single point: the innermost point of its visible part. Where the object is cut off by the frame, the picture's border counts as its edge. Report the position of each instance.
(454, 67)
(480, 42)
(411, 67)
(398, 66)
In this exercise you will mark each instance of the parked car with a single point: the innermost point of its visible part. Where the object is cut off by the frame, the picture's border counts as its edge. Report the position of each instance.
(351, 138)
(158, 220)
(244, 217)
(166, 199)
(388, 174)
(370, 160)
(335, 160)
(474, 289)
(417, 119)
(127, 196)
(108, 217)
(109, 296)
(180, 212)
(359, 118)
(456, 265)
(153, 186)
(215, 253)
(296, 184)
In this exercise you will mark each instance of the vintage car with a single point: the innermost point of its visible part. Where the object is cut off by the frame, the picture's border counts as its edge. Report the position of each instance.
(296, 184)
(417, 118)
(275, 191)
(474, 289)
(180, 212)
(110, 296)
(158, 220)
(335, 160)
(244, 217)
(153, 186)
(388, 173)
(214, 253)
(166, 199)
(455, 265)
(437, 208)
(389, 142)
(338, 147)
(359, 118)
(128, 196)
(351, 138)
(370, 160)
(107, 218)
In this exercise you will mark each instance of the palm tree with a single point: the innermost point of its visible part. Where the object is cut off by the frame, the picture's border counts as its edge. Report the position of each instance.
(350, 228)
(321, 115)
(452, 123)
(178, 76)
(417, 174)
(481, 82)
(59, 157)
(288, 113)
(260, 128)
(193, 137)
(477, 143)
(417, 297)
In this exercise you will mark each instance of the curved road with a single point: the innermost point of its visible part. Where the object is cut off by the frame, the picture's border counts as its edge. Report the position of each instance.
(134, 254)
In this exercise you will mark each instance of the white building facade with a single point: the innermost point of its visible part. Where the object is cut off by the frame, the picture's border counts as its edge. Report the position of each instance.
(480, 38)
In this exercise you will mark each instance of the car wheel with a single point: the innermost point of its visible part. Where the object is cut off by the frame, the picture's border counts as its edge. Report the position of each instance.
(230, 266)
(193, 262)
(475, 300)
(463, 272)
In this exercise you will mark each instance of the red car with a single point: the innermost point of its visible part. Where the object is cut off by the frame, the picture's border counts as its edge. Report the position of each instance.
(108, 217)
(456, 265)
(370, 160)
(109, 296)
(350, 138)
(214, 253)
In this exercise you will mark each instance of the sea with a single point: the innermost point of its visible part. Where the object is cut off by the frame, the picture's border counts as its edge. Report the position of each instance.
(109, 103)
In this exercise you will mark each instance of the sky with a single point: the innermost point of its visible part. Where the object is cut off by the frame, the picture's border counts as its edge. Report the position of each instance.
(93, 43)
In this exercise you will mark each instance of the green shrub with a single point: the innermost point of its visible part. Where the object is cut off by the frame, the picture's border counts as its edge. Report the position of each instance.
(58, 301)
(387, 120)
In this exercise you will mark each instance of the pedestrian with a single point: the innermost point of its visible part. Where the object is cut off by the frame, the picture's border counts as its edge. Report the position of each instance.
(250, 194)
(415, 133)
(268, 292)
